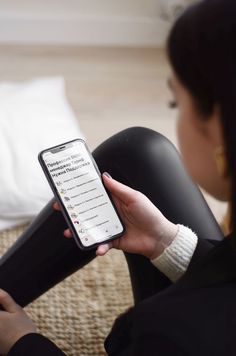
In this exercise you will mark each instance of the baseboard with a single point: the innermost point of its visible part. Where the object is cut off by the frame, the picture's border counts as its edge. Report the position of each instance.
(84, 30)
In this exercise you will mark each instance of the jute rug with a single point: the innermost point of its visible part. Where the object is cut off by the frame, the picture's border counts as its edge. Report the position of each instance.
(78, 313)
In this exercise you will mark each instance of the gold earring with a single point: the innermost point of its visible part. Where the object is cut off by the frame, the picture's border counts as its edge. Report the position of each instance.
(221, 163)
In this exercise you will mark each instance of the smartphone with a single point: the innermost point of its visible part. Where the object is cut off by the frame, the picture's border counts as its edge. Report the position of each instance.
(77, 185)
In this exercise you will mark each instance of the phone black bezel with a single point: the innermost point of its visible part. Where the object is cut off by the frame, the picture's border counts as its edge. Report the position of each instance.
(63, 208)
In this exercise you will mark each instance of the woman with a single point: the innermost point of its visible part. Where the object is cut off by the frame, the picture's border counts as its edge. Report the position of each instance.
(196, 314)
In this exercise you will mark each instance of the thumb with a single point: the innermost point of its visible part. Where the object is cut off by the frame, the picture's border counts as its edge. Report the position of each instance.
(8, 304)
(119, 190)
(103, 249)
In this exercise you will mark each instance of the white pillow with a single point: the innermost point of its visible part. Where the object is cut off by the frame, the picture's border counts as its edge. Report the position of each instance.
(33, 116)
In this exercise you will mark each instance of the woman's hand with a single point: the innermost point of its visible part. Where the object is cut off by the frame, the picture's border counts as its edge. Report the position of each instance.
(148, 232)
(14, 323)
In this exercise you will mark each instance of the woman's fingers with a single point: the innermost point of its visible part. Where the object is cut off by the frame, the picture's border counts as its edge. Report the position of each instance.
(8, 303)
(123, 192)
(103, 249)
(68, 233)
(56, 206)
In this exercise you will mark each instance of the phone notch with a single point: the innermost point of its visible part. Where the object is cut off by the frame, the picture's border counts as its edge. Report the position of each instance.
(61, 148)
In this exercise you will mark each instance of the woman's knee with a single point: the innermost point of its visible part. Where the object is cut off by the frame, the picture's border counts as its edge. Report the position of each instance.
(134, 145)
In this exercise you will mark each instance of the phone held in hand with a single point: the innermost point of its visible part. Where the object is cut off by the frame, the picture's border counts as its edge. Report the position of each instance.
(77, 185)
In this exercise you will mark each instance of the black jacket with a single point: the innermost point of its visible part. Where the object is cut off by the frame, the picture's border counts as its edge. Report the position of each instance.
(195, 316)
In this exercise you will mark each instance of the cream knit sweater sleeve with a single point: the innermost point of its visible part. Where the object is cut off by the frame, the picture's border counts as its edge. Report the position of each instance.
(174, 261)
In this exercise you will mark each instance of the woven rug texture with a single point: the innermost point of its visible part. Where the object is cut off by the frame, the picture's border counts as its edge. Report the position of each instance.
(78, 313)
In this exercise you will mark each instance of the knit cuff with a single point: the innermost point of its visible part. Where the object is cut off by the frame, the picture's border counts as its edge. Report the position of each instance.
(174, 261)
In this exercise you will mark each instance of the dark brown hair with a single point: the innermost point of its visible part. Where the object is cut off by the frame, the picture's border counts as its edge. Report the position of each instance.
(202, 51)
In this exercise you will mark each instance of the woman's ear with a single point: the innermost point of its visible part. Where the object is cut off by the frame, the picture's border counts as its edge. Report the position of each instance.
(214, 128)
(216, 140)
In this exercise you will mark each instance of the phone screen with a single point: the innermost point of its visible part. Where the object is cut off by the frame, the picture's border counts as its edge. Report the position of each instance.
(82, 193)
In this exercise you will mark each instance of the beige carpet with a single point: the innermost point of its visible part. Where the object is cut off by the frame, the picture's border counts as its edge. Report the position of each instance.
(78, 313)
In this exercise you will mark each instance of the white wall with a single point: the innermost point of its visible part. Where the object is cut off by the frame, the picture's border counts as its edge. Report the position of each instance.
(83, 7)
(91, 22)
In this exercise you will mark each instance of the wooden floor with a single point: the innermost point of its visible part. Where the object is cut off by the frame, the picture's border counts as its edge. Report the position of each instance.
(109, 89)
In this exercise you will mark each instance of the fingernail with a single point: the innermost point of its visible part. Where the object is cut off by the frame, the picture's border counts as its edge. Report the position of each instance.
(107, 175)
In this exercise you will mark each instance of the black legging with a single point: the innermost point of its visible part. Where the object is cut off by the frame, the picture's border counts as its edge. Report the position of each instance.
(140, 158)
